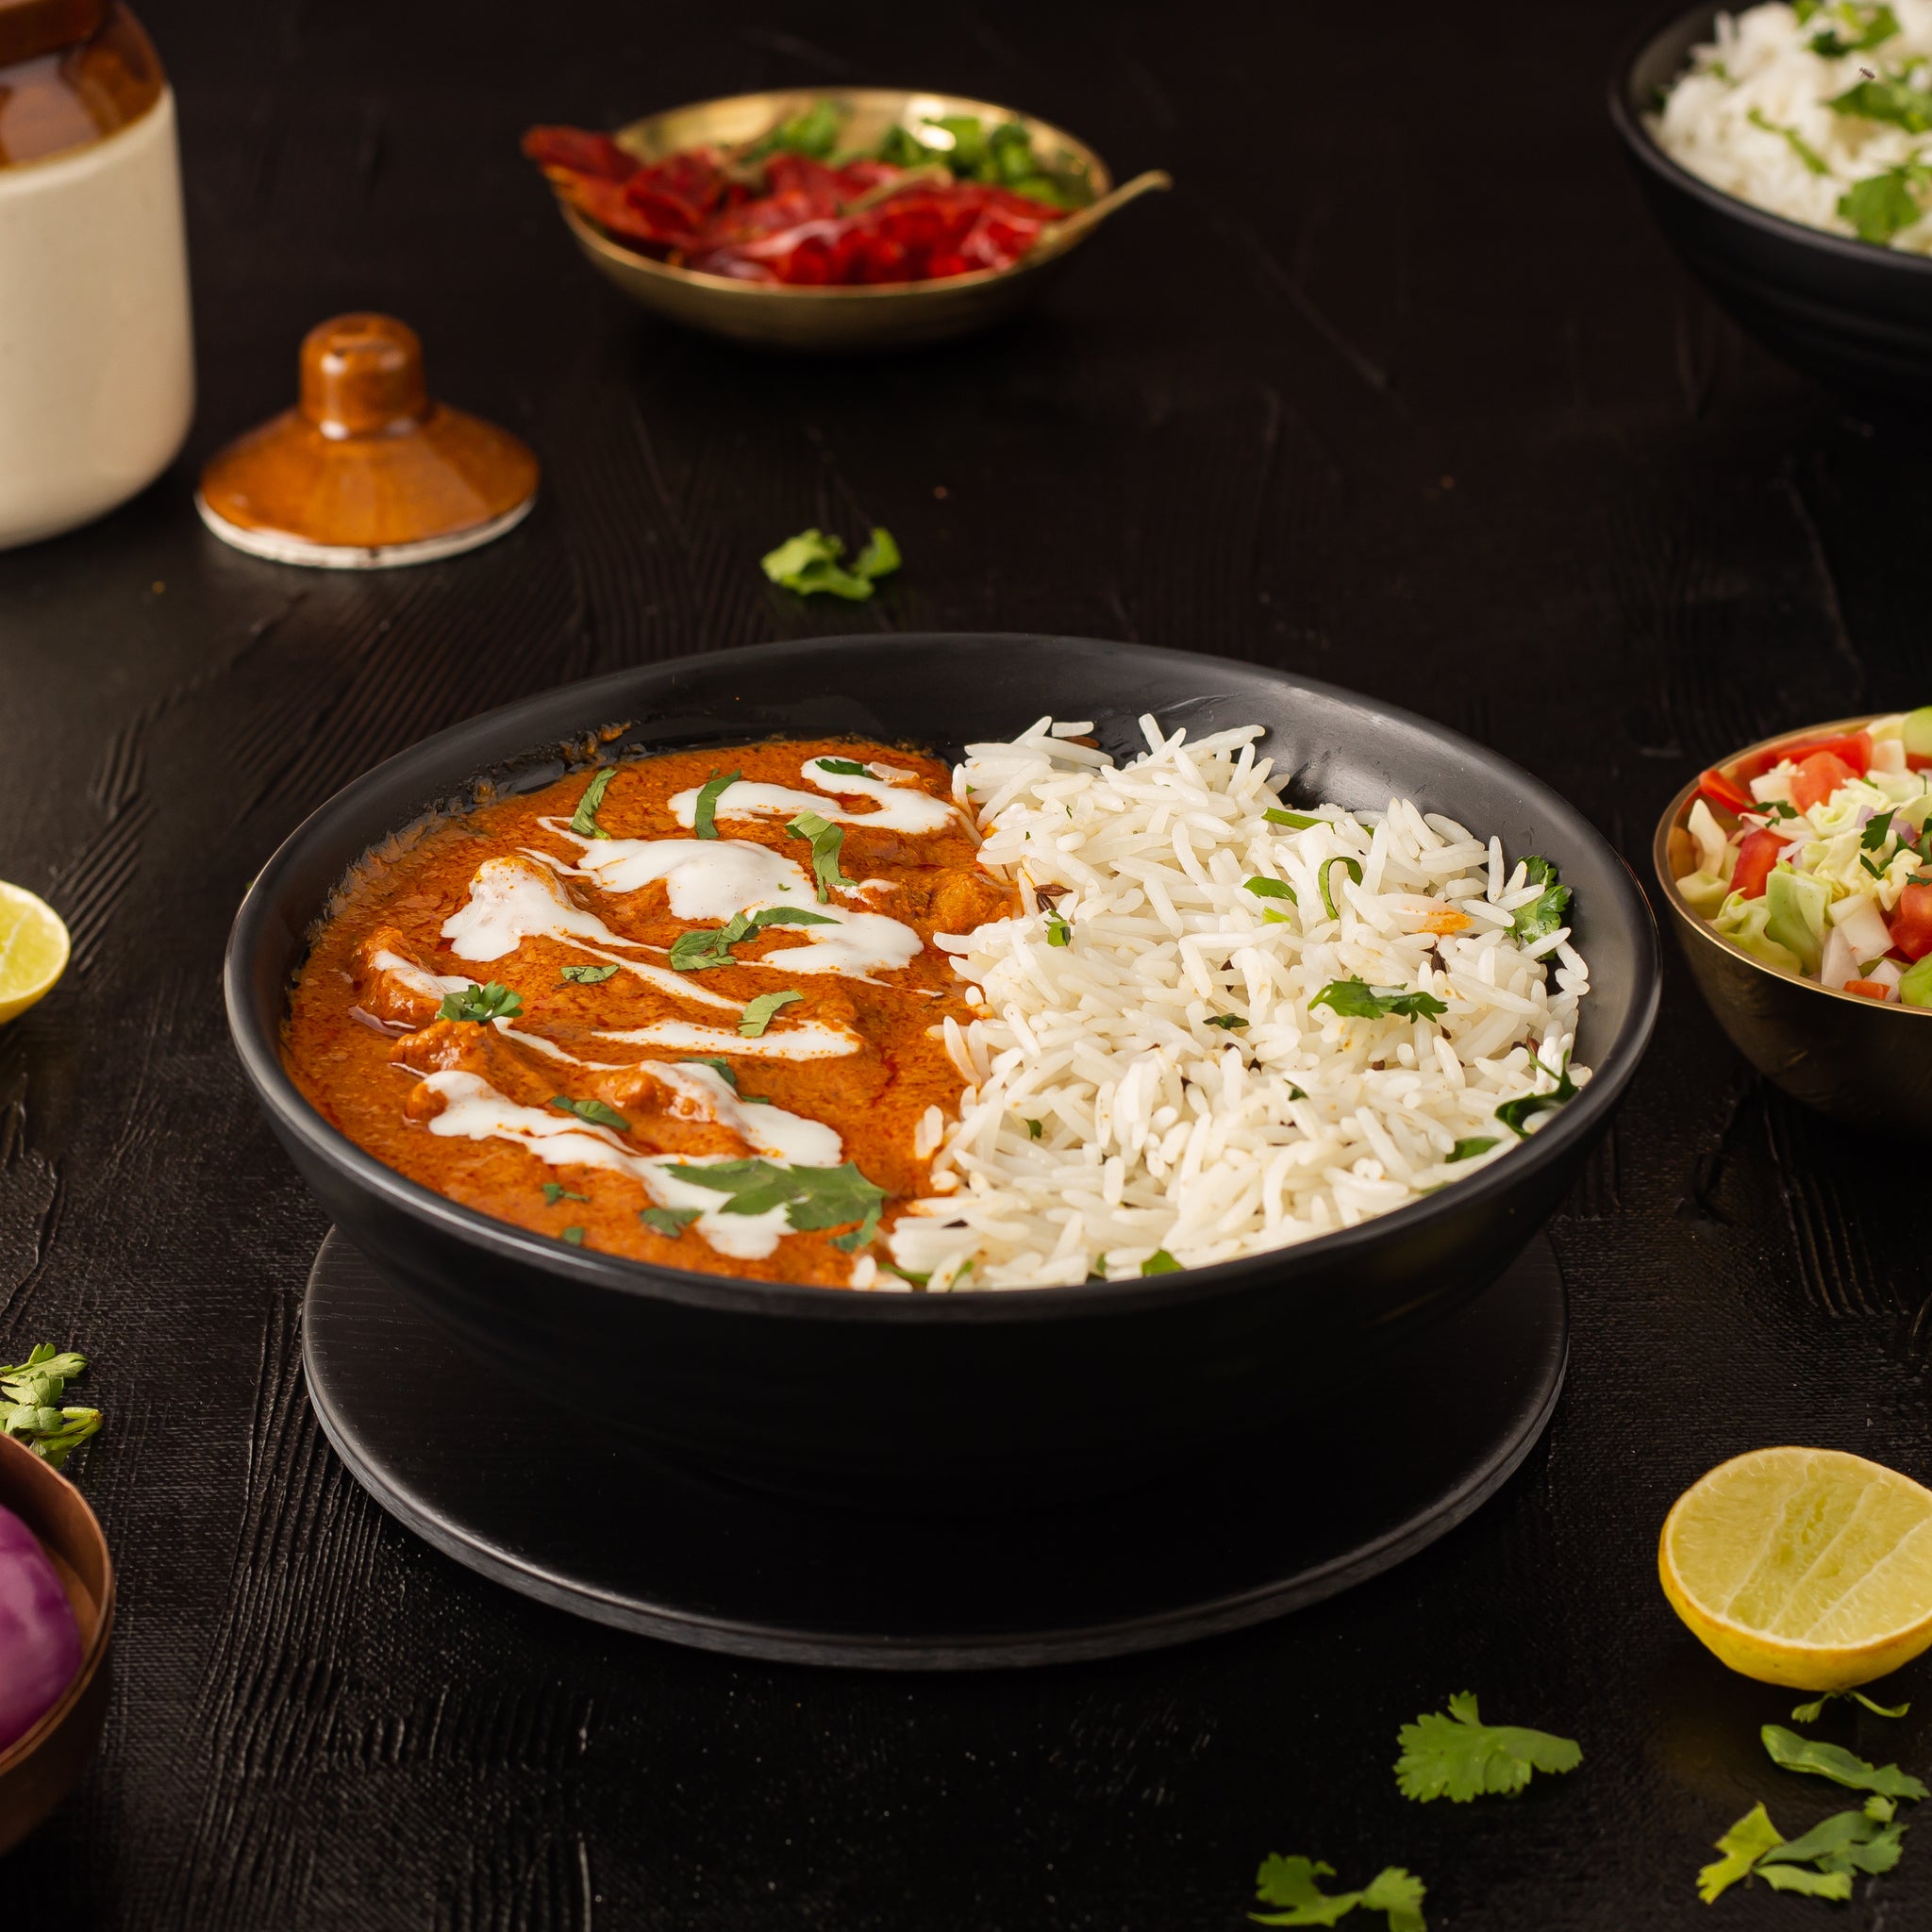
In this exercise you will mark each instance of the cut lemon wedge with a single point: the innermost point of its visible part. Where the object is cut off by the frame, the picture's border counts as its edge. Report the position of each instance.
(1806, 1567)
(33, 950)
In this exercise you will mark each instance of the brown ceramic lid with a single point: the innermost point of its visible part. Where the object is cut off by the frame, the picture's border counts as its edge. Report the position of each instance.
(366, 471)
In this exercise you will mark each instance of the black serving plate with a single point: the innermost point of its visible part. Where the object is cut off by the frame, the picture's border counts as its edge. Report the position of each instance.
(974, 1400)
(598, 1523)
(1855, 315)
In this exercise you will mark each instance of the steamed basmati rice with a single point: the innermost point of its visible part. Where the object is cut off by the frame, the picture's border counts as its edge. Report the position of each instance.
(1753, 116)
(1107, 1125)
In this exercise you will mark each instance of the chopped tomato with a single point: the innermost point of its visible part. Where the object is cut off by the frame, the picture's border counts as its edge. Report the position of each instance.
(1725, 790)
(1854, 749)
(1756, 858)
(1911, 921)
(1869, 989)
(1818, 777)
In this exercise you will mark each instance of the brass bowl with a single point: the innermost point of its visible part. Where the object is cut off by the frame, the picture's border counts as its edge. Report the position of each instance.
(1866, 1063)
(37, 1770)
(884, 315)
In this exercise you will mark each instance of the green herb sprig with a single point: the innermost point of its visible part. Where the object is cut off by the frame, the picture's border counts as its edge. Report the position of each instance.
(1459, 1757)
(584, 820)
(481, 1004)
(1515, 1114)
(1846, 1843)
(808, 563)
(588, 975)
(31, 1410)
(1546, 912)
(812, 1197)
(594, 1111)
(705, 946)
(1291, 1882)
(1356, 999)
(828, 841)
(757, 1012)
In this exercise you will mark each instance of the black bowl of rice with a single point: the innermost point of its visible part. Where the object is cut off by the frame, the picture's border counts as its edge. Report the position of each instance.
(1197, 1194)
(1777, 146)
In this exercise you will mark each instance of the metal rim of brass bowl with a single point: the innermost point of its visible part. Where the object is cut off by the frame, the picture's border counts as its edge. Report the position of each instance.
(877, 315)
(1846, 1055)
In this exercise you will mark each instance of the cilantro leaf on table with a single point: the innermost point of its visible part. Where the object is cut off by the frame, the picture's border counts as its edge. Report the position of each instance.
(703, 816)
(808, 562)
(812, 1197)
(1544, 913)
(828, 841)
(1291, 1882)
(1892, 99)
(593, 1111)
(1840, 1766)
(1879, 206)
(1356, 999)
(1457, 1756)
(757, 1012)
(1836, 1847)
(1515, 1113)
(588, 975)
(1810, 1713)
(667, 1221)
(30, 1406)
(584, 820)
(481, 1004)
(555, 1192)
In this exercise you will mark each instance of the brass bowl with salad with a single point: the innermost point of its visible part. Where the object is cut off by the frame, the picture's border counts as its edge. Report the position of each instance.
(1799, 874)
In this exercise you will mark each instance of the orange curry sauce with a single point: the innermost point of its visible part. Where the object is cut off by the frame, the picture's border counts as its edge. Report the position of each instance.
(507, 896)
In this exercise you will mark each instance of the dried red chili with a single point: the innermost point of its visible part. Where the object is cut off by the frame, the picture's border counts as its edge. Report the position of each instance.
(793, 217)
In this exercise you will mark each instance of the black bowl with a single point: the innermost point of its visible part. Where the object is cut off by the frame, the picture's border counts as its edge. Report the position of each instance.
(1854, 314)
(969, 1399)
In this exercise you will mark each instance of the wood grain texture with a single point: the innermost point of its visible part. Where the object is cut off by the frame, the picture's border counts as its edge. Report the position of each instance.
(1424, 407)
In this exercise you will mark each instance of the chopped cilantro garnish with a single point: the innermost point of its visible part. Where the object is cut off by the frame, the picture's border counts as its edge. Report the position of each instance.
(555, 1192)
(1291, 1883)
(1468, 1149)
(1270, 888)
(841, 768)
(1160, 1262)
(1233, 1022)
(1297, 820)
(717, 1063)
(1353, 867)
(703, 816)
(907, 1274)
(812, 1197)
(584, 822)
(1793, 140)
(1034, 1130)
(1513, 1113)
(588, 975)
(1872, 24)
(1892, 99)
(481, 1004)
(1878, 831)
(809, 563)
(1546, 912)
(1059, 933)
(710, 945)
(667, 1221)
(757, 1012)
(593, 1110)
(575, 1236)
(827, 841)
(1457, 1756)
(30, 1407)
(1839, 1765)
(1356, 999)
(1879, 206)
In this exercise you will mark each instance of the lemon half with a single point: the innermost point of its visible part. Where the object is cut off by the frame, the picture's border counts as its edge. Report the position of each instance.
(33, 950)
(1806, 1567)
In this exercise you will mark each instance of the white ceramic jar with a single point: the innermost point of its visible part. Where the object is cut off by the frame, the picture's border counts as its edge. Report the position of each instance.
(97, 355)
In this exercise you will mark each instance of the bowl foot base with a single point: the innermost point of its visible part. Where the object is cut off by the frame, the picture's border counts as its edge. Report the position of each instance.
(604, 1527)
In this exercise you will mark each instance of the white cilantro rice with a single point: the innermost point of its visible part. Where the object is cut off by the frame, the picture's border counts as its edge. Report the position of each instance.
(1753, 116)
(1159, 1135)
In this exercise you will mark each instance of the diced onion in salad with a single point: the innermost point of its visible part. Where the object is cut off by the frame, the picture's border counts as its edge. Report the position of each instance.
(1820, 862)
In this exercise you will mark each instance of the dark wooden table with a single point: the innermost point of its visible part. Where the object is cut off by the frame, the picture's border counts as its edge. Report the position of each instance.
(1421, 406)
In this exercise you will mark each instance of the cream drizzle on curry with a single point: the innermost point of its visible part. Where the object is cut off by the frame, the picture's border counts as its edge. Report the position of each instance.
(582, 1108)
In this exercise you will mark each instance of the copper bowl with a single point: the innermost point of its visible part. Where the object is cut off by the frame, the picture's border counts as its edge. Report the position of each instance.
(40, 1769)
(885, 315)
(1860, 1061)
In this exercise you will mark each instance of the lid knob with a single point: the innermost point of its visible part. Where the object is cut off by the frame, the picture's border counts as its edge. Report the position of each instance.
(363, 375)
